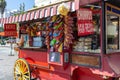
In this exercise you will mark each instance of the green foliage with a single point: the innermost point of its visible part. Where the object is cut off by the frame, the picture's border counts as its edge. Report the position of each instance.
(3, 5)
(1, 29)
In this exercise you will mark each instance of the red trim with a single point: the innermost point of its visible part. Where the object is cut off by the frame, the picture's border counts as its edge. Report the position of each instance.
(10, 19)
(48, 11)
(69, 4)
(42, 13)
(13, 19)
(20, 17)
(77, 3)
(55, 9)
(32, 15)
(16, 18)
(2, 20)
(37, 14)
(24, 17)
(6, 20)
(28, 16)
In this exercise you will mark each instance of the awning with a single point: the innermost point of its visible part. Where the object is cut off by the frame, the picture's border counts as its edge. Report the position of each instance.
(45, 11)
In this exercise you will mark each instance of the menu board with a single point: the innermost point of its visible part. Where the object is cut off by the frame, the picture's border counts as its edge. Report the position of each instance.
(86, 60)
(85, 25)
(10, 29)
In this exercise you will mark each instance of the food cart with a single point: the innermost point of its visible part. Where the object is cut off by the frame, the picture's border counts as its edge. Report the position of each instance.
(77, 40)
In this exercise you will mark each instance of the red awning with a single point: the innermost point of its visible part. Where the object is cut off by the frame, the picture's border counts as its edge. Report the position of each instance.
(45, 12)
(2, 20)
(7, 20)
(42, 12)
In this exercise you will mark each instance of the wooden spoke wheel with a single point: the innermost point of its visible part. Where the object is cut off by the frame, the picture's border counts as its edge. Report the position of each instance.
(21, 70)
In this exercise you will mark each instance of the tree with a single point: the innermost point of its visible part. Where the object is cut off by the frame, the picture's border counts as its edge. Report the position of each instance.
(22, 8)
(3, 5)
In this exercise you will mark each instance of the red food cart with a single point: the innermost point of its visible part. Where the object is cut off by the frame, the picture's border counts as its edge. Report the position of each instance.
(81, 43)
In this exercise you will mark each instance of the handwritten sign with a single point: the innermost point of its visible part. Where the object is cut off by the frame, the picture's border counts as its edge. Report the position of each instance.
(85, 25)
(10, 29)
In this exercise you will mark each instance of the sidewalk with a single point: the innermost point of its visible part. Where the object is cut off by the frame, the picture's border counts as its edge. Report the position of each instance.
(6, 62)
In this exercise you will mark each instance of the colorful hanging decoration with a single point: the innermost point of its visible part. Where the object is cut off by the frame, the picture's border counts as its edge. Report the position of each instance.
(68, 37)
(60, 49)
(56, 33)
(32, 30)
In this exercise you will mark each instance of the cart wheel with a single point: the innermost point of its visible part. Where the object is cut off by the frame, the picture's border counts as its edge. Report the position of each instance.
(21, 70)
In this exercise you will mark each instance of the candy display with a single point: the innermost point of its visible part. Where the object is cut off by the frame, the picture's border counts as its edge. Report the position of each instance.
(56, 31)
(68, 21)
(32, 30)
(68, 32)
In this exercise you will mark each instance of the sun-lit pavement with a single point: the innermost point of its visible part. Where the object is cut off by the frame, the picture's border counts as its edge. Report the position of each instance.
(6, 62)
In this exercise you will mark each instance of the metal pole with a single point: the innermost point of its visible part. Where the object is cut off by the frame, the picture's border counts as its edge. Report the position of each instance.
(11, 46)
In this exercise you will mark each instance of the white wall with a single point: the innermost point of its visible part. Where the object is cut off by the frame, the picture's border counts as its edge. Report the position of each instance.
(46, 2)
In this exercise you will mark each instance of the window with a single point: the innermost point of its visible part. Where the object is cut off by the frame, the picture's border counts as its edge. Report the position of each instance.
(54, 57)
(112, 30)
(87, 31)
(26, 40)
(34, 35)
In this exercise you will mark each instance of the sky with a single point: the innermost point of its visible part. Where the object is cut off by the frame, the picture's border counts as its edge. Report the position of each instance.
(15, 4)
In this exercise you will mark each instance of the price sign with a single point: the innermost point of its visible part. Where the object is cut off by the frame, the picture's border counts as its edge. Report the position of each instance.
(85, 25)
(10, 29)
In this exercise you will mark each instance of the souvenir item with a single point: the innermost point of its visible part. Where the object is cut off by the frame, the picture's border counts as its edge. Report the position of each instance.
(53, 41)
(68, 37)
(63, 9)
(60, 49)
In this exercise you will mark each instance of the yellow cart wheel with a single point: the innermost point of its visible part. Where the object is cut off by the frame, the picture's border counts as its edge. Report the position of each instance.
(21, 70)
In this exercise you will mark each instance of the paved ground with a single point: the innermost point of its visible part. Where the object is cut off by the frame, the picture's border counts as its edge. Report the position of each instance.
(6, 62)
